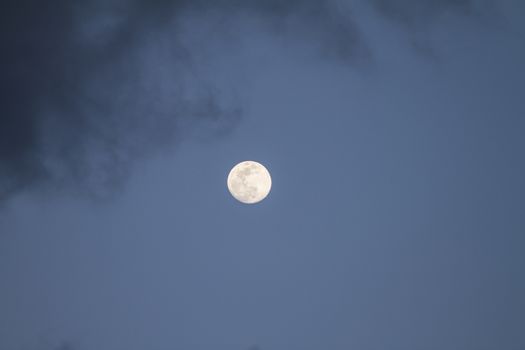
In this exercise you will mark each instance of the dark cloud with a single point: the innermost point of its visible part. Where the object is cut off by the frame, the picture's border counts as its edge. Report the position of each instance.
(417, 17)
(88, 86)
(420, 12)
(65, 346)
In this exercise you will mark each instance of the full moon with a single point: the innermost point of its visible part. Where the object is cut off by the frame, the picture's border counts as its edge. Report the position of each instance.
(249, 182)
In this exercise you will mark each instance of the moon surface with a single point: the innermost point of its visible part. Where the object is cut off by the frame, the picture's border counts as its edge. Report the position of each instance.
(249, 182)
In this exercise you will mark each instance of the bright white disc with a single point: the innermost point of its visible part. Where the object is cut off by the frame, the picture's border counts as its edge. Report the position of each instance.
(249, 182)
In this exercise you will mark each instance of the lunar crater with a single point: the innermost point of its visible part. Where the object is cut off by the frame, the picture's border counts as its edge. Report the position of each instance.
(249, 182)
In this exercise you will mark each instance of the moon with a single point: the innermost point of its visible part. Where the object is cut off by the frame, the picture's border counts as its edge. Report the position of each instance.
(249, 182)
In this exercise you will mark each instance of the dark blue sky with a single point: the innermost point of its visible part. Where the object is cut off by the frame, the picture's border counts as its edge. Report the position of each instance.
(393, 131)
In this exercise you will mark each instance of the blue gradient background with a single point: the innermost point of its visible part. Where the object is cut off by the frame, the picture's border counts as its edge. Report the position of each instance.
(396, 217)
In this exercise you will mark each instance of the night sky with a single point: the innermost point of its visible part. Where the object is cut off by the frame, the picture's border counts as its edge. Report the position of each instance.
(394, 131)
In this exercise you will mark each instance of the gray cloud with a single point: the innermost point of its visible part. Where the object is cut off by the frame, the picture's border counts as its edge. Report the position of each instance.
(417, 17)
(89, 87)
(65, 346)
(419, 12)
